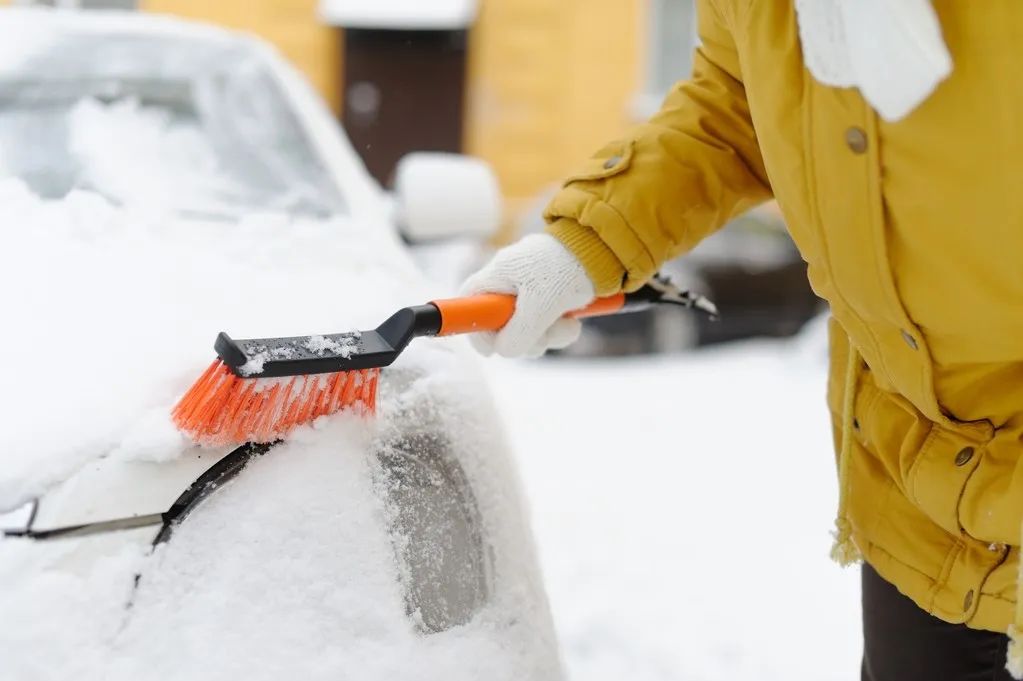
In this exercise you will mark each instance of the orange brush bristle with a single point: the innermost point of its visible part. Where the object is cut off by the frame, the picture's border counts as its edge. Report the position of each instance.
(224, 409)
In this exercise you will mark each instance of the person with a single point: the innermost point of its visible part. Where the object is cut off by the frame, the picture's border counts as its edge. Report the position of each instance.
(890, 132)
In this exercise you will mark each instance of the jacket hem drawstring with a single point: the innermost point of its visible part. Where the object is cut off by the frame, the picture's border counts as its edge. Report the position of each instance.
(844, 550)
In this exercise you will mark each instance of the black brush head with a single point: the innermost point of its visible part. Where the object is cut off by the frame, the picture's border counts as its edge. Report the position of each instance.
(303, 355)
(327, 353)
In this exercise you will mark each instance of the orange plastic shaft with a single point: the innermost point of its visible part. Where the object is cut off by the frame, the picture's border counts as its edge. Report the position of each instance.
(491, 311)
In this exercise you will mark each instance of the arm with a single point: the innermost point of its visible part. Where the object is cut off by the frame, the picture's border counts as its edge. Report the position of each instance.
(671, 181)
(636, 203)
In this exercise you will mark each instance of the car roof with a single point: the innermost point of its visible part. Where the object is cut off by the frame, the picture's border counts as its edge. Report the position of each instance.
(48, 22)
(34, 41)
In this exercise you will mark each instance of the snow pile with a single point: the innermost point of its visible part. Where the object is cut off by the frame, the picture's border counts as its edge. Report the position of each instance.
(57, 618)
(115, 145)
(345, 346)
(683, 508)
(288, 571)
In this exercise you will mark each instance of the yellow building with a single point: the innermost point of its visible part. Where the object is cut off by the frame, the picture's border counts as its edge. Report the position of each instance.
(549, 82)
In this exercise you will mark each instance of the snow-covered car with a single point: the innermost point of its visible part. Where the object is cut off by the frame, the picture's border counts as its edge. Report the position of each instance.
(161, 181)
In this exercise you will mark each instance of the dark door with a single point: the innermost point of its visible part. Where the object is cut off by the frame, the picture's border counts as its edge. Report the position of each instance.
(404, 91)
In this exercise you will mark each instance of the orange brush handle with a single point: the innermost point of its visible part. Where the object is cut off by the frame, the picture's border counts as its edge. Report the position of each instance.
(491, 311)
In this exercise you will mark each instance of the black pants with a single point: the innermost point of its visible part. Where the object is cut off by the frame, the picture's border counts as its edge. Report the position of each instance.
(901, 642)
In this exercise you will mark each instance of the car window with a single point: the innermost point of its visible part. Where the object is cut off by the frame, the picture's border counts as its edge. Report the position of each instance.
(147, 122)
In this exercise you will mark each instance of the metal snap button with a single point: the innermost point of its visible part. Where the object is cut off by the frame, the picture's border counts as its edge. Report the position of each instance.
(856, 140)
(968, 600)
(612, 162)
(964, 456)
(910, 341)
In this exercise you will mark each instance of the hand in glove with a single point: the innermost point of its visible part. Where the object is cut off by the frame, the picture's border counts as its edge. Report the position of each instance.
(548, 280)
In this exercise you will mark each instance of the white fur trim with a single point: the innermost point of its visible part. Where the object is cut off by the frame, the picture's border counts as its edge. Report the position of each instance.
(1014, 656)
(892, 50)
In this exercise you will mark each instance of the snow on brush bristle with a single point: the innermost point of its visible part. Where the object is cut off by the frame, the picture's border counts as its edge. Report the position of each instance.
(224, 409)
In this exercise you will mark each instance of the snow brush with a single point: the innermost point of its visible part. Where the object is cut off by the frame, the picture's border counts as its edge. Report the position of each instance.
(259, 390)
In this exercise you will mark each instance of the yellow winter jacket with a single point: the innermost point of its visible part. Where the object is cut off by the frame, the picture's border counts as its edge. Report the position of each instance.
(912, 231)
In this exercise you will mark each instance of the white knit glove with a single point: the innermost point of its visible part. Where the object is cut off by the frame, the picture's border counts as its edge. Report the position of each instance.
(548, 280)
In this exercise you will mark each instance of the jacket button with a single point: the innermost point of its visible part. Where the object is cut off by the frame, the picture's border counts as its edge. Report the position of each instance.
(856, 139)
(612, 162)
(908, 337)
(964, 456)
(968, 600)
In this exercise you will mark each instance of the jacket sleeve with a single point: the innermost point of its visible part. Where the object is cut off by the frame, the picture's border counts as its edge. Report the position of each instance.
(673, 180)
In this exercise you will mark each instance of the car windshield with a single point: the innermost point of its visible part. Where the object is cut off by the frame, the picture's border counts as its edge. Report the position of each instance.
(189, 126)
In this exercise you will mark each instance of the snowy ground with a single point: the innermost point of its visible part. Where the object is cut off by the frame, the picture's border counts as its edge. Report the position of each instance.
(682, 508)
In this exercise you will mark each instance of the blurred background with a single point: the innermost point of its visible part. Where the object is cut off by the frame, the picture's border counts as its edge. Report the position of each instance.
(514, 82)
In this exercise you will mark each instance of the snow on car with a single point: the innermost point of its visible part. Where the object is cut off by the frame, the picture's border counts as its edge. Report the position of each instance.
(161, 181)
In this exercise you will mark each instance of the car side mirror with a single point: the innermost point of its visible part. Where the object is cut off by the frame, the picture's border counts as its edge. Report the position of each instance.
(442, 196)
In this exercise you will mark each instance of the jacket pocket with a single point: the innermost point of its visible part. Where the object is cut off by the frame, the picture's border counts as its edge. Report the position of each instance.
(939, 474)
(929, 463)
(612, 160)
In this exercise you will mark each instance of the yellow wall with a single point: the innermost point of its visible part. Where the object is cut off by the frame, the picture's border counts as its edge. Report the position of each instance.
(291, 25)
(550, 81)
